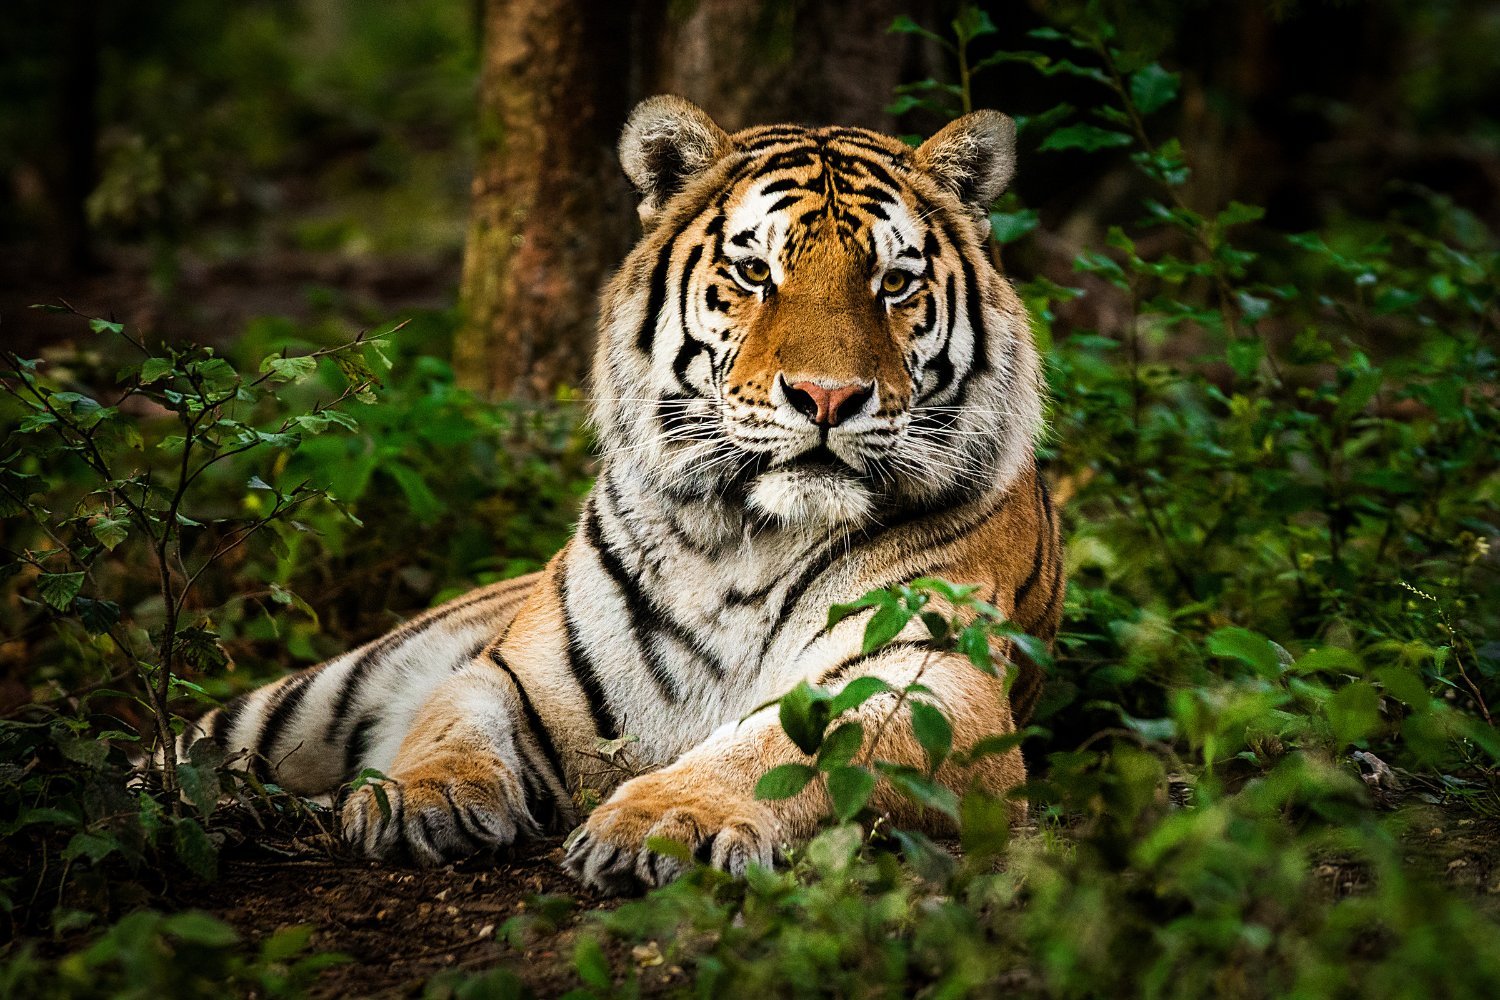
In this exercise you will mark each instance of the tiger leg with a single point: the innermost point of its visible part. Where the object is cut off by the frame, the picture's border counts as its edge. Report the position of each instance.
(706, 798)
(314, 730)
(474, 773)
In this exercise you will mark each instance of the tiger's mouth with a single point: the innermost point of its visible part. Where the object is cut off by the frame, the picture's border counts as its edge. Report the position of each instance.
(820, 460)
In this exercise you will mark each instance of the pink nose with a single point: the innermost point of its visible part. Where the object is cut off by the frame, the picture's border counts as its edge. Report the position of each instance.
(827, 406)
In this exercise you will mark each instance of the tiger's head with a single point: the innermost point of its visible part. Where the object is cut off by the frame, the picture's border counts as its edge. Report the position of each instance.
(811, 327)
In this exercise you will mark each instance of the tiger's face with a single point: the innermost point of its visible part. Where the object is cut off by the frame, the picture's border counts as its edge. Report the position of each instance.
(811, 328)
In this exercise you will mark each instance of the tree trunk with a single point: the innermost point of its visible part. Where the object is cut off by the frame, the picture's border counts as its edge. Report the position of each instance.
(551, 213)
(813, 62)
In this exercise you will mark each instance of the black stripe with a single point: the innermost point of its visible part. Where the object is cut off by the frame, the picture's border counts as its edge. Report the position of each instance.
(223, 723)
(646, 614)
(294, 689)
(785, 184)
(461, 821)
(647, 333)
(838, 670)
(584, 672)
(637, 606)
(384, 645)
(694, 255)
(784, 201)
(358, 745)
(533, 720)
(1024, 591)
(974, 306)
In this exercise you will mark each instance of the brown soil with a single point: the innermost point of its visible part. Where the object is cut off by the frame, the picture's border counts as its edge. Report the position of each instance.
(400, 926)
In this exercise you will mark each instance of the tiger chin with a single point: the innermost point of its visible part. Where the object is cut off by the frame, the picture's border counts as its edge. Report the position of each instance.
(810, 382)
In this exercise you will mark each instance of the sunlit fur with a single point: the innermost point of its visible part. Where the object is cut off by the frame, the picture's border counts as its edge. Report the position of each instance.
(725, 521)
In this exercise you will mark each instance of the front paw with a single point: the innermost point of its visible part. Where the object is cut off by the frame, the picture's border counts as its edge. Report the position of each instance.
(721, 828)
(450, 808)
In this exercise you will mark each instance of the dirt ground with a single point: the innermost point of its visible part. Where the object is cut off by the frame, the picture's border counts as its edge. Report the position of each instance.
(401, 926)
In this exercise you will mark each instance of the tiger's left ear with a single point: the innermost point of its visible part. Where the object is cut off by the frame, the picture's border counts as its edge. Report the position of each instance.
(667, 142)
(973, 156)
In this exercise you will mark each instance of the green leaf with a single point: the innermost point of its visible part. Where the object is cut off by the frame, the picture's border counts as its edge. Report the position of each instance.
(784, 781)
(804, 714)
(930, 726)
(1085, 137)
(937, 626)
(1238, 213)
(974, 642)
(1357, 394)
(669, 848)
(1245, 355)
(110, 531)
(926, 858)
(194, 849)
(972, 22)
(287, 942)
(984, 825)
(1007, 227)
(904, 25)
(884, 625)
(1354, 712)
(81, 748)
(1403, 684)
(155, 369)
(591, 964)
(1250, 648)
(874, 599)
(97, 617)
(856, 693)
(994, 746)
(195, 927)
(840, 745)
(1152, 88)
(200, 786)
(105, 326)
(59, 589)
(289, 369)
(850, 789)
(921, 789)
(94, 846)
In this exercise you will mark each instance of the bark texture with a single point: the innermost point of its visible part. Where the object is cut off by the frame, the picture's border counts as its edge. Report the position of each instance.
(550, 213)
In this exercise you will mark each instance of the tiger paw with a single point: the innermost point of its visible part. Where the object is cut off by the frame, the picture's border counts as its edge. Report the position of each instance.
(720, 828)
(450, 808)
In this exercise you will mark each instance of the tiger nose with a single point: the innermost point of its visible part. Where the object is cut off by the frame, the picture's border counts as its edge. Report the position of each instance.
(827, 405)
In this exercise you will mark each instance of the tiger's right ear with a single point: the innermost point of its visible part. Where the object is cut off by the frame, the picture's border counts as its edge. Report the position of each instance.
(667, 142)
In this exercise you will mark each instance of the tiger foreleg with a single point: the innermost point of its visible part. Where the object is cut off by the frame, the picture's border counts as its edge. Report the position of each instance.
(463, 781)
(706, 799)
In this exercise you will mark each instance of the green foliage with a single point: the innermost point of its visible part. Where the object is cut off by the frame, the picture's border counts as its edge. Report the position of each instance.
(164, 512)
(188, 955)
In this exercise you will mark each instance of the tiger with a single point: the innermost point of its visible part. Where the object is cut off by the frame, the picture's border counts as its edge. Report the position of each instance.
(811, 381)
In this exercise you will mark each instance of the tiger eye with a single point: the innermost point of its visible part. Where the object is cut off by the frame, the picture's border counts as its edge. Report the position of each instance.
(755, 270)
(895, 282)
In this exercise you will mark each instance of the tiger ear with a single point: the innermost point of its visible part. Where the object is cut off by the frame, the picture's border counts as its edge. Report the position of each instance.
(667, 142)
(973, 156)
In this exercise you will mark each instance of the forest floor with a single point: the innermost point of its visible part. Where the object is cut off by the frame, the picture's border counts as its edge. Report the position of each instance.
(401, 926)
